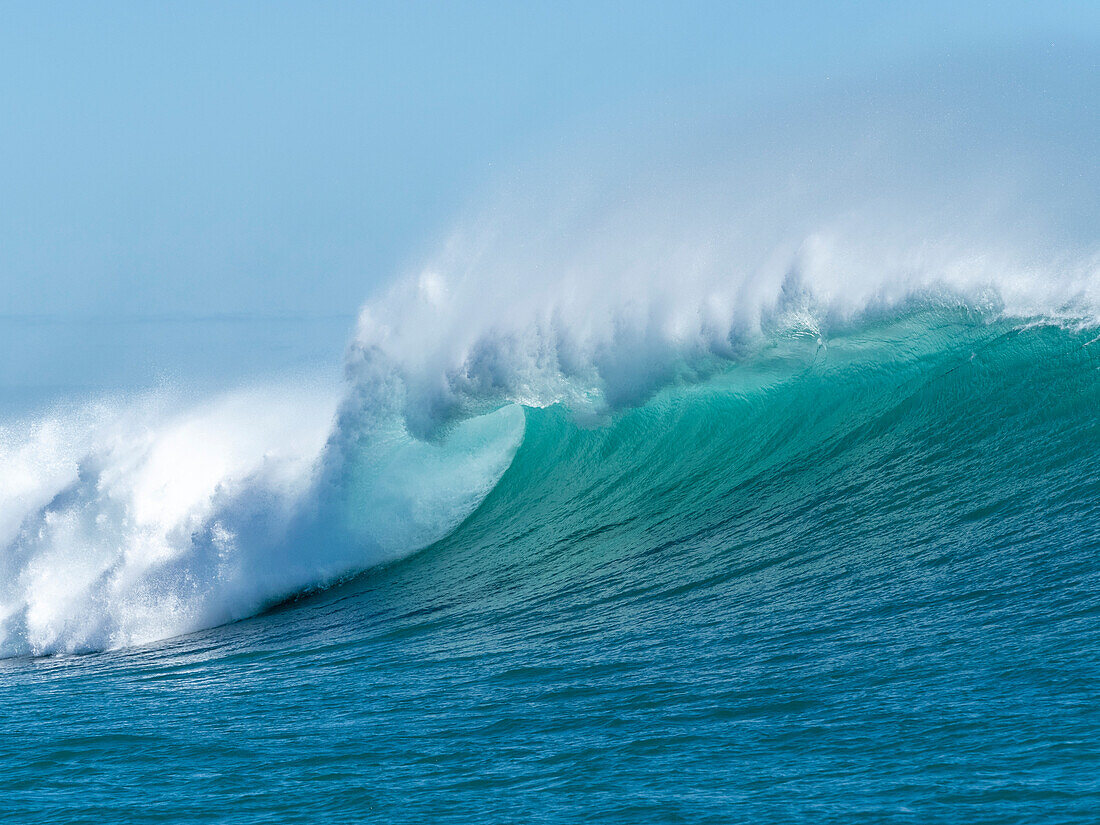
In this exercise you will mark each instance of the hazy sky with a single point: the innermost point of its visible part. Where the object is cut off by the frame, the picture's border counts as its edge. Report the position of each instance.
(287, 158)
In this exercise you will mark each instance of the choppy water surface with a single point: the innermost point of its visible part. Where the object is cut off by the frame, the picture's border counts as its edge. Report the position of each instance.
(848, 583)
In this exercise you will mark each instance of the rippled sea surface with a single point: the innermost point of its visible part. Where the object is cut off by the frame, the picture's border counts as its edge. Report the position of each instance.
(854, 586)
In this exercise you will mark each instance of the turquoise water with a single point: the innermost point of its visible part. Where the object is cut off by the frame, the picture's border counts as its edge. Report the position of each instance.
(842, 580)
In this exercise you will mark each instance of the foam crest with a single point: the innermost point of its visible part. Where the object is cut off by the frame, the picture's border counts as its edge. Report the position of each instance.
(622, 269)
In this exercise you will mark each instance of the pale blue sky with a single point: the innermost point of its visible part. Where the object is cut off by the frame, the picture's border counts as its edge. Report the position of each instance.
(286, 159)
(280, 158)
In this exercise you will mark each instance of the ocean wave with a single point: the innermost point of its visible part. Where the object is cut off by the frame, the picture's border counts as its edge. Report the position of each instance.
(847, 251)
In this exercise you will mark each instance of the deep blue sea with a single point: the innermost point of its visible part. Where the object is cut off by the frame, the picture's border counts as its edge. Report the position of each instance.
(826, 578)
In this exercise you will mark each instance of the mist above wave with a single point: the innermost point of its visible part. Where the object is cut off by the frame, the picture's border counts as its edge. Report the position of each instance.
(633, 259)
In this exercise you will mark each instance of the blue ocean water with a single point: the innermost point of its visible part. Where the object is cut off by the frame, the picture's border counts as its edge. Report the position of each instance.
(833, 578)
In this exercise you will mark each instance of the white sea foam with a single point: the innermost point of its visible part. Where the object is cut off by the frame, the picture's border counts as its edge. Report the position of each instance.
(127, 523)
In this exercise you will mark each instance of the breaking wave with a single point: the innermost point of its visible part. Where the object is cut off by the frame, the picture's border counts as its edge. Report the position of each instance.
(782, 284)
